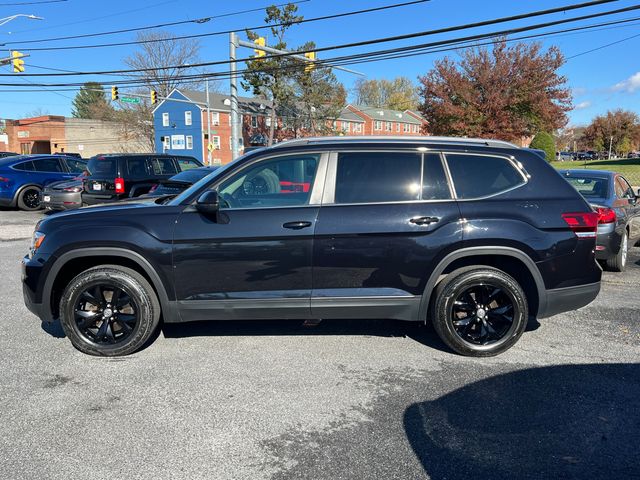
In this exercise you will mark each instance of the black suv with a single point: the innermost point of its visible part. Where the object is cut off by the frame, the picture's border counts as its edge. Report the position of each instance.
(113, 177)
(472, 235)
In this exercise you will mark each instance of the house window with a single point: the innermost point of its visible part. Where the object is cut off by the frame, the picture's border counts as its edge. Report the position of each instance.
(389, 127)
(166, 142)
(189, 142)
(398, 127)
(415, 129)
(358, 127)
(267, 121)
(165, 119)
(405, 127)
(215, 140)
(187, 117)
(378, 125)
(254, 121)
(215, 118)
(334, 125)
(346, 127)
(240, 143)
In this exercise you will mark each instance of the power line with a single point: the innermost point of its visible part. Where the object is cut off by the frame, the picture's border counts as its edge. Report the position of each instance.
(31, 3)
(603, 46)
(226, 32)
(150, 27)
(353, 44)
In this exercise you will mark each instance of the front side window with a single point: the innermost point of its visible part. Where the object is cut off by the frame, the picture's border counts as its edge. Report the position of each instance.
(165, 119)
(627, 191)
(366, 177)
(279, 182)
(477, 176)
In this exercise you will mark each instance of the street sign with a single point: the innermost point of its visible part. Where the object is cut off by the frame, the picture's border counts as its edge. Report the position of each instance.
(210, 147)
(129, 100)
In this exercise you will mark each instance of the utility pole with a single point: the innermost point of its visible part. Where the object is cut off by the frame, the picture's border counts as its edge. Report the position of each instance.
(610, 145)
(208, 123)
(233, 44)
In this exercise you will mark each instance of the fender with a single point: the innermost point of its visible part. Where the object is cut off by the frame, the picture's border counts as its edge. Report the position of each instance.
(484, 250)
(169, 311)
(14, 202)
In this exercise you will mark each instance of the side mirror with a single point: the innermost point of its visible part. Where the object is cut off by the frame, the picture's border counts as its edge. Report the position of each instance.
(208, 202)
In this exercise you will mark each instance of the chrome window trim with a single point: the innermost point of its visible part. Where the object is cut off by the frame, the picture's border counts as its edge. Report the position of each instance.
(318, 182)
(509, 158)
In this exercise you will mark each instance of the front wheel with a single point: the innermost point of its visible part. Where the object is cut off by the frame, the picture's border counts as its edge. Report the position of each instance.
(479, 311)
(109, 311)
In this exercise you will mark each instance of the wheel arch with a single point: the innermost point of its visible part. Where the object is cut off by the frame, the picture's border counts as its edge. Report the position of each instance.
(76, 261)
(21, 189)
(510, 260)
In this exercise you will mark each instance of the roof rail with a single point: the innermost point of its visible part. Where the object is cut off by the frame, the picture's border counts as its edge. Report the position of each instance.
(397, 139)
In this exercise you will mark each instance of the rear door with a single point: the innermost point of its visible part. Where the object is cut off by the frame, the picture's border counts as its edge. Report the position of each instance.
(386, 218)
(138, 178)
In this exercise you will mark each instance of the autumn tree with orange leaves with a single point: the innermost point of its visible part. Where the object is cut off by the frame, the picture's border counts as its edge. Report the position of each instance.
(506, 92)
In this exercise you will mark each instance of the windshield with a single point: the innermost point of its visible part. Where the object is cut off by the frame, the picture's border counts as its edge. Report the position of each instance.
(199, 184)
(594, 187)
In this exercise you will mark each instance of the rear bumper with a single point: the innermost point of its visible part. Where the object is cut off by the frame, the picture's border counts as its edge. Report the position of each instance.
(61, 201)
(90, 199)
(608, 242)
(560, 300)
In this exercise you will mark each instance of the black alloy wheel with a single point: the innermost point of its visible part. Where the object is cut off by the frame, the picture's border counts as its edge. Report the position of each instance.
(29, 199)
(106, 314)
(482, 314)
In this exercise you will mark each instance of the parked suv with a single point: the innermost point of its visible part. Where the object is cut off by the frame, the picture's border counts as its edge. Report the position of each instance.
(116, 176)
(471, 235)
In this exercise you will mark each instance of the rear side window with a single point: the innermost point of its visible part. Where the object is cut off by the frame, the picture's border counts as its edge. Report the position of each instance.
(365, 177)
(163, 166)
(107, 166)
(137, 166)
(187, 164)
(76, 166)
(47, 165)
(25, 166)
(477, 176)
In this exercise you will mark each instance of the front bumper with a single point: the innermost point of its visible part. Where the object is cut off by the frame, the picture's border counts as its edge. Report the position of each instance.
(559, 300)
(31, 275)
(54, 200)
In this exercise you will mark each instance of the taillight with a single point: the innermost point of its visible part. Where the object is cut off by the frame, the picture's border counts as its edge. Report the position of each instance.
(72, 189)
(605, 215)
(119, 185)
(583, 224)
(4, 179)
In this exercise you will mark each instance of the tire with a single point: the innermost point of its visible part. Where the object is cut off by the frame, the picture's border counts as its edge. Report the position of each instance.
(119, 335)
(618, 262)
(26, 199)
(457, 318)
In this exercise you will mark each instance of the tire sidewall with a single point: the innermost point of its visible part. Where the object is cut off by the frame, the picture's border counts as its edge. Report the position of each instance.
(142, 295)
(20, 202)
(447, 295)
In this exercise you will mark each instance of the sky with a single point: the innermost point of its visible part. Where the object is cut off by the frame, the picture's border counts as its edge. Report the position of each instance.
(604, 79)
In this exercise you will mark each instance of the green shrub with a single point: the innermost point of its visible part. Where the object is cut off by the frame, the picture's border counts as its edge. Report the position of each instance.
(544, 141)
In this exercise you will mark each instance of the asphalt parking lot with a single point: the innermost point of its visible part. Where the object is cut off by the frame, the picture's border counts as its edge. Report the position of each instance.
(343, 400)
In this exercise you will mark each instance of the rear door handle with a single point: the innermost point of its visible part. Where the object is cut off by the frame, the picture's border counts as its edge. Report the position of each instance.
(424, 220)
(296, 225)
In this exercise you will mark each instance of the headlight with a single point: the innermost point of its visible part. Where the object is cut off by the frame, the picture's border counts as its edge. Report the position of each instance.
(36, 241)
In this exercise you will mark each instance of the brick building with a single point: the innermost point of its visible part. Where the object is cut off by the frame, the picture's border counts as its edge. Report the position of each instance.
(180, 124)
(56, 134)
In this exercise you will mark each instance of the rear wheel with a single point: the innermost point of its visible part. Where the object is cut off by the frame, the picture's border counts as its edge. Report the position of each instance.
(109, 311)
(619, 262)
(29, 199)
(479, 311)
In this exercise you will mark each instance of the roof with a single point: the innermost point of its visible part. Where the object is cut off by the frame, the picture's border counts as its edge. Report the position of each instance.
(348, 115)
(392, 139)
(387, 115)
(222, 102)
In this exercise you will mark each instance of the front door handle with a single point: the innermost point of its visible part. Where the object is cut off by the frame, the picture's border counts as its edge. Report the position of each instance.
(296, 225)
(424, 220)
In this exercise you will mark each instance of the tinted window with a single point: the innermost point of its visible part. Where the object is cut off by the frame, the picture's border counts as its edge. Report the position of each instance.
(76, 166)
(103, 166)
(187, 164)
(365, 177)
(434, 180)
(628, 191)
(285, 181)
(596, 187)
(476, 176)
(137, 166)
(47, 165)
(163, 166)
(28, 166)
(192, 175)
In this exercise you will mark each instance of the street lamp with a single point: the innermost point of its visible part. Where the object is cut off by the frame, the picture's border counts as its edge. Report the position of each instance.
(13, 17)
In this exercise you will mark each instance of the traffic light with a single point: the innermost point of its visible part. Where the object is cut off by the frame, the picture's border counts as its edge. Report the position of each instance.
(17, 62)
(154, 97)
(114, 93)
(261, 42)
(310, 66)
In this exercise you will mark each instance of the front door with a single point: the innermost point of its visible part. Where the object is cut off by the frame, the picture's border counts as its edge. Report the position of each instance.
(385, 218)
(253, 259)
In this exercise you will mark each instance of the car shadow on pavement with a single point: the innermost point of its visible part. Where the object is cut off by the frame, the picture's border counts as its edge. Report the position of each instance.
(568, 421)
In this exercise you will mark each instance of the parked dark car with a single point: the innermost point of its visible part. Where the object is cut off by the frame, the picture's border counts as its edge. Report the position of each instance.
(618, 210)
(22, 177)
(65, 195)
(7, 154)
(114, 177)
(472, 235)
(180, 182)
